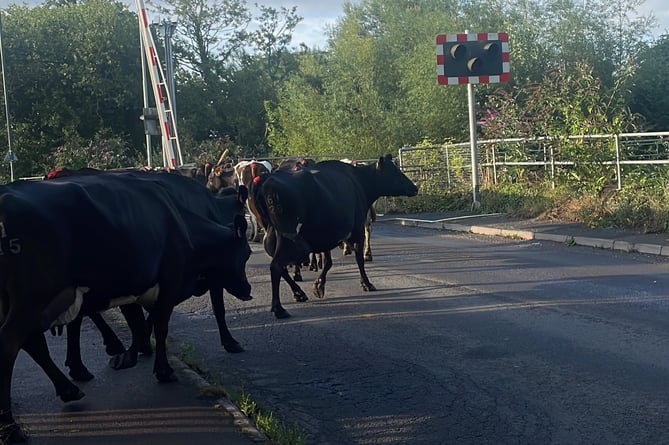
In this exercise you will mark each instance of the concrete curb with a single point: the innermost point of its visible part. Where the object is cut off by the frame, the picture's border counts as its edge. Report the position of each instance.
(600, 243)
(241, 420)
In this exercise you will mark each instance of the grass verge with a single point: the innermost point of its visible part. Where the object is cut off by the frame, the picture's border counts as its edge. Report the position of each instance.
(276, 430)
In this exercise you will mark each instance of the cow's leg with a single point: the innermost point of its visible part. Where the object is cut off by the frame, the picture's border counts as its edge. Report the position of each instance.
(218, 305)
(364, 280)
(297, 273)
(78, 371)
(277, 271)
(319, 284)
(10, 431)
(368, 241)
(278, 268)
(134, 316)
(272, 248)
(276, 247)
(315, 262)
(298, 293)
(18, 332)
(161, 367)
(113, 346)
(38, 350)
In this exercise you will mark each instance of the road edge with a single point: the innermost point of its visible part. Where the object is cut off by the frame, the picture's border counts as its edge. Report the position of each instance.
(241, 420)
(601, 243)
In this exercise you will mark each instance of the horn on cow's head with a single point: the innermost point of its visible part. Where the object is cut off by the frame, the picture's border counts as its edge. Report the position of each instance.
(223, 156)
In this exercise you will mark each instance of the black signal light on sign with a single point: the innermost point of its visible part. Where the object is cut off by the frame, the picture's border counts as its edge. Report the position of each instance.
(472, 58)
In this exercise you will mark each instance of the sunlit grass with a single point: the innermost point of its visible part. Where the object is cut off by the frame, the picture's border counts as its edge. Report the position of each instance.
(264, 419)
(277, 431)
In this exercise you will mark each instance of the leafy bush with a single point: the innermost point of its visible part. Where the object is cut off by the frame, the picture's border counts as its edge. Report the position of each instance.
(103, 152)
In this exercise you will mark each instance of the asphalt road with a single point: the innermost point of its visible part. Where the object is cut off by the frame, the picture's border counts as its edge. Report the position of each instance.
(468, 340)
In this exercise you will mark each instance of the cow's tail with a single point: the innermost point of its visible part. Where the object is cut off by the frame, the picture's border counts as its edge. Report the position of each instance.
(255, 193)
(274, 206)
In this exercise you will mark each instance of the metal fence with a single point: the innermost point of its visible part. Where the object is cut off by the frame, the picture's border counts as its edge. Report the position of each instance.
(448, 166)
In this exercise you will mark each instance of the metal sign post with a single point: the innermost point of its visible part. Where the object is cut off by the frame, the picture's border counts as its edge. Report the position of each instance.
(473, 145)
(472, 58)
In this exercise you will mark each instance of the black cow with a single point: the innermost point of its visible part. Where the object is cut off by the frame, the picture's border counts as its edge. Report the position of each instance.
(113, 346)
(230, 203)
(315, 209)
(247, 171)
(72, 245)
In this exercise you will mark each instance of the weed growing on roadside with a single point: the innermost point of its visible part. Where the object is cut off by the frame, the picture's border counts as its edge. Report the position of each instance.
(278, 433)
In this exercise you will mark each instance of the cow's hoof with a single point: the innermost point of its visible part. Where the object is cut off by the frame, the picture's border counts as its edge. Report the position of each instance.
(368, 258)
(300, 297)
(233, 347)
(80, 374)
(319, 292)
(123, 361)
(281, 313)
(12, 433)
(70, 394)
(367, 287)
(166, 376)
(115, 347)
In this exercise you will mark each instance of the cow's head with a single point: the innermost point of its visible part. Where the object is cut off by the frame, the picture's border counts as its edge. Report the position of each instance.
(234, 280)
(248, 170)
(221, 176)
(390, 179)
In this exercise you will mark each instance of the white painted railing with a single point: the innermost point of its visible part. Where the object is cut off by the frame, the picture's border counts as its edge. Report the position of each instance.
(449, 165)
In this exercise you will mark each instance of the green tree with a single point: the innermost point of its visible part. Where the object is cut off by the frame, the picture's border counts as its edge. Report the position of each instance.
(377, 89)
(260, 75)
(567, 102)
(649, 96)
(225, 71)
(72, 72)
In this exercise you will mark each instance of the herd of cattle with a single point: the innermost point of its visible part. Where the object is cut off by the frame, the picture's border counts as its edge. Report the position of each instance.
(81, 242)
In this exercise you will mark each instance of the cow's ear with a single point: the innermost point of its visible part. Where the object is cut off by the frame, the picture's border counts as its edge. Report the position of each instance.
(242, 193)
(379, 165)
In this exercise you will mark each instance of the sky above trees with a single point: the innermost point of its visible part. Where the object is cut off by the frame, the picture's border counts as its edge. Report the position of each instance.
(318, 15)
